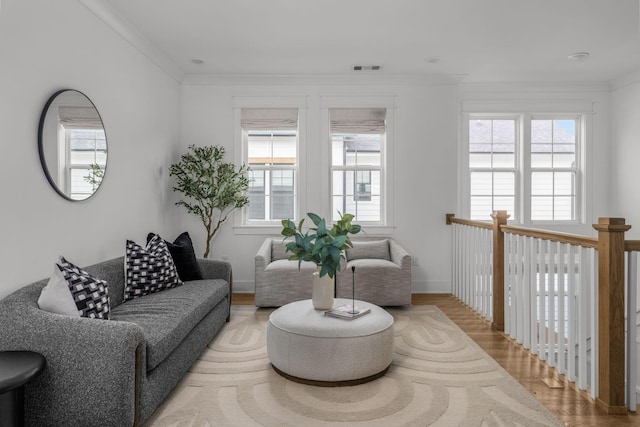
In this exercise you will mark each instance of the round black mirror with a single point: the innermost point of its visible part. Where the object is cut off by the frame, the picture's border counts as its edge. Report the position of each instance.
(72, 144)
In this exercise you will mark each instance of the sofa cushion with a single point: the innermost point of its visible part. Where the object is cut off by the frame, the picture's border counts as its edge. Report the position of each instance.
(149, 270)
(184, 257)
(372, 264)
(374, 249)
(279, 249)
(286, 265)
(166, 318)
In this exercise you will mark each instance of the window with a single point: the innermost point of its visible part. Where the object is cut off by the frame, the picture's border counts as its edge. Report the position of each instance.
(531, 174)
(271, 138)
(82, 150)
(86, 162)
(492, 166)
(358, 138)
(553, 169)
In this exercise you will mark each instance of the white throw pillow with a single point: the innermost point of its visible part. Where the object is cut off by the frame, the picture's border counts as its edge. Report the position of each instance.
(56, 296)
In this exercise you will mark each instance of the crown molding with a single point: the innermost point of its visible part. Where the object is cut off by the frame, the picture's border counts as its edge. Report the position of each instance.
(135, 38)
(534, 87)
(626, 80)
(307, 80)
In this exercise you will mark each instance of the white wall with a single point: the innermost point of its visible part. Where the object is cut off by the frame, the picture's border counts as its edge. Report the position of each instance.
(49, 45)
(625, 125)
(425, 153)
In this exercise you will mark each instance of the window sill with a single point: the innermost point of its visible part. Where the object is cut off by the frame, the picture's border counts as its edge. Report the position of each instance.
(367, 230)
(257, 229)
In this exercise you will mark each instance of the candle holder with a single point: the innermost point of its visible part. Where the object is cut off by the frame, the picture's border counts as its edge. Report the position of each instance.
(353, 291)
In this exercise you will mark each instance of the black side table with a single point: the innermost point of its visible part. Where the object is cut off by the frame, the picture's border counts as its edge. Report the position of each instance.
(16, 369)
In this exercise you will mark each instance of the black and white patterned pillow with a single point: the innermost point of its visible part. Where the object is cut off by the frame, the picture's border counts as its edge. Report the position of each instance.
(150, 269)
(91, 295)
(184, 257)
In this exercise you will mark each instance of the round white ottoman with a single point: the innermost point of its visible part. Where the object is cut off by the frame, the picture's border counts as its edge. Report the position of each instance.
(306, 346)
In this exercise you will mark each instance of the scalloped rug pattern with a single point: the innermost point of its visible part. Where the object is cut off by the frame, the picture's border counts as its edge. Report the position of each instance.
(439, 377)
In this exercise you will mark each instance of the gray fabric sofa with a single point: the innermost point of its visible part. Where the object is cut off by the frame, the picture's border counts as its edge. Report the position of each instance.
(114, 372)
(382, 274)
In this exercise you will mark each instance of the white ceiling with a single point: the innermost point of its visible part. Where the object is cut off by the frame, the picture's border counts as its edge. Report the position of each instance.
(482, 40)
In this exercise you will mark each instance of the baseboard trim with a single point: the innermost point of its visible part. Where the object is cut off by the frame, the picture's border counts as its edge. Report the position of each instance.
(248, 298)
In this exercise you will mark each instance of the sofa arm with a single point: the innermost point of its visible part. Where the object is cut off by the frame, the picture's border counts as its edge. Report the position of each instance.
(399, 255)
(87, 360)
(263, 257)
(217, 269)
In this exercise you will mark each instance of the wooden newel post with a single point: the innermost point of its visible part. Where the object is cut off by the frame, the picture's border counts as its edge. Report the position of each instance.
(499, 218)
(611, 362)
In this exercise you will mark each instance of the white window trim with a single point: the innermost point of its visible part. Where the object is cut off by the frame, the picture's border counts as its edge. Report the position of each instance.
(387, 225)
(299, 102)
(517, 169)
(582, 109)
(66, 168)
(268, 177)
(580, 188)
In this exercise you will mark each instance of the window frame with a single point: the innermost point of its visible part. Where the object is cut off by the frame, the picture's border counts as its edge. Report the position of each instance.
(240, 225)
(268, 178)
(517, 170)
(577, 169)
(360, 168)
(522, 205)
(66, 169)
(386, 224)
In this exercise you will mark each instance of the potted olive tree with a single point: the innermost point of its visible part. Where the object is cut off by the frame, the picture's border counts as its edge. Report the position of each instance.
(323, 246)
(212, 189)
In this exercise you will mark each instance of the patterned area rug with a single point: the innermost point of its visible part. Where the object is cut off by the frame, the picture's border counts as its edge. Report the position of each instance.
(439, 377)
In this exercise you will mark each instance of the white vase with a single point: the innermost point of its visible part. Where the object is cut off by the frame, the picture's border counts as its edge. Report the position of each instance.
(322, 291)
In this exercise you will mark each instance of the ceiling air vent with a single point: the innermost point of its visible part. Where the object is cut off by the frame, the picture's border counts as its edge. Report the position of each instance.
(367, 67)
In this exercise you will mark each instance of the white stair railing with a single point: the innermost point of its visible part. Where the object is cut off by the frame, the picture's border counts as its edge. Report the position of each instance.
(473, 267)
(631, 329)
(542, 288)
(551, 304)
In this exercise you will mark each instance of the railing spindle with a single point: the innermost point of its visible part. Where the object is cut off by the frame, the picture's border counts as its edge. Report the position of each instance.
(561, 340)
(571, 333)
(632, 333)
(542, 292)
(533, 296)
(551, 299)
(583, 321)
(593, 299)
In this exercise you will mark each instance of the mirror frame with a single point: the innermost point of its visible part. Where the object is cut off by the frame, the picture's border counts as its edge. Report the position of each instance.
(43, 161)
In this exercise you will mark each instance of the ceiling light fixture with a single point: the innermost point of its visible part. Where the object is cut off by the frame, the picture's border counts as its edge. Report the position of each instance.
(578, 56)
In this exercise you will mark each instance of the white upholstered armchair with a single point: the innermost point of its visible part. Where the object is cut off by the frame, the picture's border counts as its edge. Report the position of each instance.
(278, 280)
(382, 272)
(382, 277)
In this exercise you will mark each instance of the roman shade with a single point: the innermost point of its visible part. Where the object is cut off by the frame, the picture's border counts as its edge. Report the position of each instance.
(358, 120)
(79, 118)
(269, 118)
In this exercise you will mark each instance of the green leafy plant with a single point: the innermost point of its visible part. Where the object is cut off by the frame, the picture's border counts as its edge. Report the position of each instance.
(212, 188)
(96, 172)
(319, 244)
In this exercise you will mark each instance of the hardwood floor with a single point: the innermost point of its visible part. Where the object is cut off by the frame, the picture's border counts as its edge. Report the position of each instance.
(570, 405)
